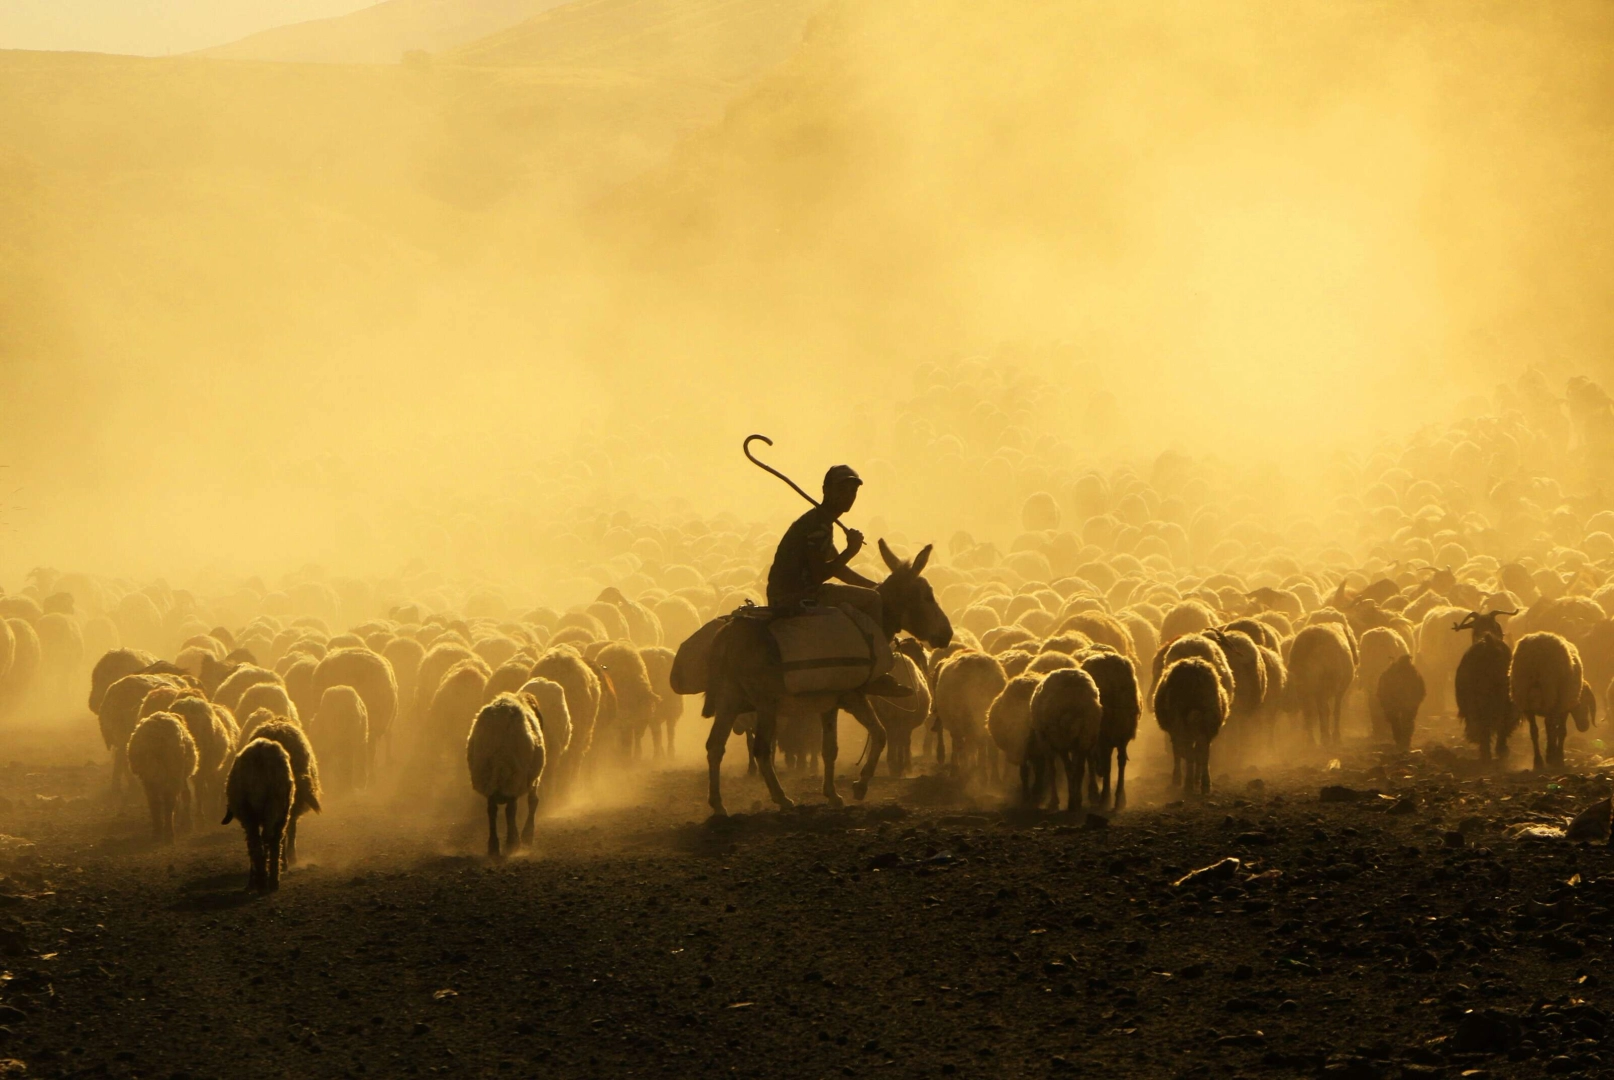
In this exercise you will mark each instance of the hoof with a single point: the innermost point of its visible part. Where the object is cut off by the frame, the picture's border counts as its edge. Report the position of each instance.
(860, 789)
(785, 802)
(834, 799)
(718, 811)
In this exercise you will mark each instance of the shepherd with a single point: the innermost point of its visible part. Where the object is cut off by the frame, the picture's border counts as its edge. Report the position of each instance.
(818, 649)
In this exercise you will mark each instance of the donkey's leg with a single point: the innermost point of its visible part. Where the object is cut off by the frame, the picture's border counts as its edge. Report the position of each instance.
(858, 705)
(831, 748)
(767, 731)
(716, 743)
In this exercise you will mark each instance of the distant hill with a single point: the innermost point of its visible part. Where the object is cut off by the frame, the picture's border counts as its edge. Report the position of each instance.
(724, 41)
(383, 33)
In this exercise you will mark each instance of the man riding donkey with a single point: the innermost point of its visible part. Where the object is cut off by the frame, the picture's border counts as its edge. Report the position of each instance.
(819, 647)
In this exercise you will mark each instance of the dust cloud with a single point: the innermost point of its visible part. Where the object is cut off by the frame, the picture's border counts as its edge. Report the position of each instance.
(256, 315)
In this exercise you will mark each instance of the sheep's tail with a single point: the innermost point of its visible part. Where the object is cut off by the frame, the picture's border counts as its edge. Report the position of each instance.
(229, 816)
(313, 803)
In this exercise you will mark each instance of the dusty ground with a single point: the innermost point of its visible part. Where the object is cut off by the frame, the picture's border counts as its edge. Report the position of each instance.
(921, 934)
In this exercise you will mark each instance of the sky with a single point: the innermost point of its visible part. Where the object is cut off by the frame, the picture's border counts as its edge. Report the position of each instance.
(151, 27)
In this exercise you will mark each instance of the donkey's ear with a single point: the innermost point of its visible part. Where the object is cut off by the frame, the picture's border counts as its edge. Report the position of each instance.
(921, 559)
(891, 560)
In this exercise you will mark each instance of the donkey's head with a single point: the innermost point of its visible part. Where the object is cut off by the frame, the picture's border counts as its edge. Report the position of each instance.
(909, 603)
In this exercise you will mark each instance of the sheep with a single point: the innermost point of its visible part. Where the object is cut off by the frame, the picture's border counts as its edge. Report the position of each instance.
(305, 769)
(658, 661)
(1201, 645)
(1545, 681)
(1008, 721)
(112, 666)
(162, 756)
(238, 682)
(271, 696)
(1380, 647)
(372, 677)
(17, 681)
(1483, 694)
(636, 700)
(1066, 720)
(61, 645)
(505, 752)
(1321, 669)
(966, 686)
(120, 712)
(214, 734)
(256, 719)
(1117, 681)
(1249, 676)
(1398, 692)
(260, 793)
(900, 716)
(433, 666)
(565, 666)
(1190, 705)
(340, 732)
(553, 717)
(405, 655)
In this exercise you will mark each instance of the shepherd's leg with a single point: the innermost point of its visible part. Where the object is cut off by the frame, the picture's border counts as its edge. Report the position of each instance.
(830, 748)
(493, 827)
(863, 712)
(716, 742)
(767, 729)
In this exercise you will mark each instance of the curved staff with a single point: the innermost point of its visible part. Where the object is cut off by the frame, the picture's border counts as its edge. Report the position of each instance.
(765, 467)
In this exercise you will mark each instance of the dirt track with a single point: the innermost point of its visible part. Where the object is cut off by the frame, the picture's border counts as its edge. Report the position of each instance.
(917, 935)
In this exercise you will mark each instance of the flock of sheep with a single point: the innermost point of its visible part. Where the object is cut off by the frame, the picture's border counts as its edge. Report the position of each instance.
(1466, 571)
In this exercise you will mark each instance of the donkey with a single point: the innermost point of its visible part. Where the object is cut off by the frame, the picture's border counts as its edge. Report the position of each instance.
(745, 677)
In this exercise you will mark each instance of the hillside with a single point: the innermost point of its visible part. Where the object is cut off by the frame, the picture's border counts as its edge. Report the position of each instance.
(381, 34)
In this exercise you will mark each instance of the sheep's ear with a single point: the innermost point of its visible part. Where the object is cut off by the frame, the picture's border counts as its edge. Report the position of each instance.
(922, 558)
(891, 560)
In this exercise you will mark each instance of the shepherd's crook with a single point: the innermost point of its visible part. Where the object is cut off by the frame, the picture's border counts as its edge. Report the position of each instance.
(763, 465)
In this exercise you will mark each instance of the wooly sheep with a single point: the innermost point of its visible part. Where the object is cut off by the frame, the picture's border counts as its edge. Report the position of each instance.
(1322, 667)
(1545, 681)
(564, 665)
(1484, 695)
(507, 677)
(1398, 692)
(255, 720)
(505, 752)
(271, 696)
(113, 666)
(1249, 675)
(120, 712)
(259, 793)
(61, 647)
(433, 666)
(238, 682)
(1188, 617)
(901, 716)
(1043, 663)
(405, 655)
(17, 681)
(214, 734)
(372, 677)
(162, 755)
(1439, 652)
(1380, 647)
(1190, 705)
(1008, 721)
(966, 686)
(449, 716)
(304, 768)
(1117, 681)
(1585, 710)
(340, 732)
(658, 661)
(554, 718)
(1066, 718)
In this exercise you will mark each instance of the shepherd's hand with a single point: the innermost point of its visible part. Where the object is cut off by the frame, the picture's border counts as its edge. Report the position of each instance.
(854, 542)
